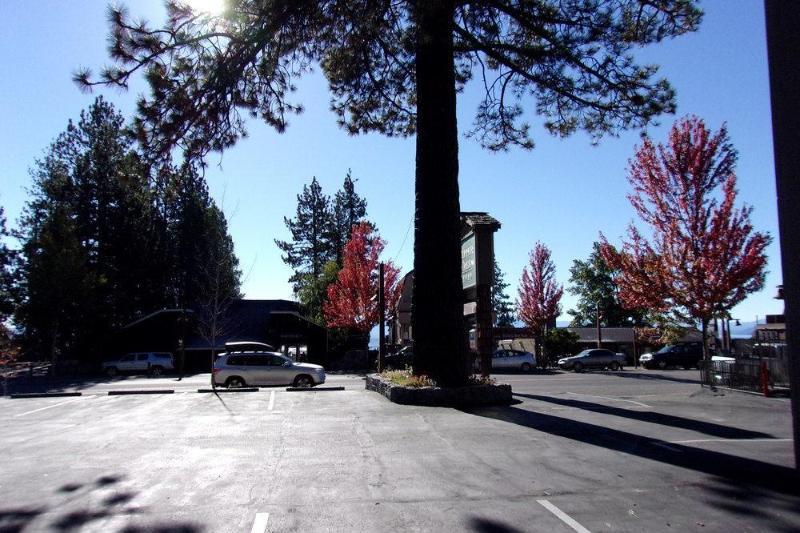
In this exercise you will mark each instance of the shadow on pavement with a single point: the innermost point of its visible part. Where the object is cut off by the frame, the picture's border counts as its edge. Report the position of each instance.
(708, 428)
(751, 473)
(752, 502)
(486, 525)
(37, 384)
(533, 372)
(654, 377)
(115, 504)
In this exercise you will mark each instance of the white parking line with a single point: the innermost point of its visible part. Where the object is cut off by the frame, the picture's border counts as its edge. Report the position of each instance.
(612, 399)
(271, 400)
(564, 517)
(728, 440)
(54, 405)
(260, 523)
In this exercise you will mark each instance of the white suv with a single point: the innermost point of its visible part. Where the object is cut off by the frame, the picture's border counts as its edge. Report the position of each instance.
(152, 363)
(263, 369)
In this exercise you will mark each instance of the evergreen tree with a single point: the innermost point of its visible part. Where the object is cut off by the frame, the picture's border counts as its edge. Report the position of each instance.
(90, 191)
(592, 281)
(104, 241)
(310, 247)
(204, 261)
(7, 262)
(395, 68)
(348, 210)
(313, 292)
(502, 306)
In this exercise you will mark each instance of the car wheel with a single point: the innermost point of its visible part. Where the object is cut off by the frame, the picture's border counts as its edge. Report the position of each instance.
(662, 365)
(526, 367)
(303, 381)
(614, 366)
(234, 382)
(578, 367)
(112, 371)
(156, 371)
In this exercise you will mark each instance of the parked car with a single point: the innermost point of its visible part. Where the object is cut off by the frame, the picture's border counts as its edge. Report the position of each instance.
(400, 360)
(686, 355)
(594, 358)
(248, 346)
(510, 360)
(263, 369)
(152, 363)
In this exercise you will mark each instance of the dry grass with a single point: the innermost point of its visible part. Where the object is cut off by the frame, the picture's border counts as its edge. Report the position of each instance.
(405, 378)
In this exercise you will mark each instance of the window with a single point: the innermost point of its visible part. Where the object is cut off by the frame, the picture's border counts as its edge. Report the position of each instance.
(142, 357)
(277, 360)
(235, 360)
(128, 357)
(259, 360)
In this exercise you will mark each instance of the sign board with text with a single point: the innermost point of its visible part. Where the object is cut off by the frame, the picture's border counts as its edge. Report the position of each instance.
(468, 263)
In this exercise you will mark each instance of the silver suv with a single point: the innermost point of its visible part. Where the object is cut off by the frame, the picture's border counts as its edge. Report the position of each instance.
(153, 363)
(264, 368)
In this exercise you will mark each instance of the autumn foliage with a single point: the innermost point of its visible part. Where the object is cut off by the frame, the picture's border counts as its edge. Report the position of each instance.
(539, 295)
(703, 257)
(352, 301)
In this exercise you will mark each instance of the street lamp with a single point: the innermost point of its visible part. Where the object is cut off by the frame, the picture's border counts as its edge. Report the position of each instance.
(727, 322)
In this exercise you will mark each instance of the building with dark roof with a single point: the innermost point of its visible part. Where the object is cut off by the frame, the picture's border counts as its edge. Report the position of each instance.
(275, 322)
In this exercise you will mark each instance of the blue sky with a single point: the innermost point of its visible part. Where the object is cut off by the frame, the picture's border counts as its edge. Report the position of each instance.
(563, 193)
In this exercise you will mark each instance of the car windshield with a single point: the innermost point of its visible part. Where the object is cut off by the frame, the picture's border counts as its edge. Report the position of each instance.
(666, 349)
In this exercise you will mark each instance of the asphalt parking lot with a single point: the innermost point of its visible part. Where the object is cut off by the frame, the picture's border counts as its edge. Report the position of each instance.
(626, 451)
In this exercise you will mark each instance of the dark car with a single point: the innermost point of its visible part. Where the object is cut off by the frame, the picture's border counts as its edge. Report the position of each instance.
(686, 355)
(596, 358)
(398, 361)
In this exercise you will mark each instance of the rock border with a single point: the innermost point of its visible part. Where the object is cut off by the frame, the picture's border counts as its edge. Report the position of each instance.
(469, 396)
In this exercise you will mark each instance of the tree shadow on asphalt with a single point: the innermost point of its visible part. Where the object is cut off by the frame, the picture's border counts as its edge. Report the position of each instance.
(653, 377)
(753, 502)
(750, 473)
(14, 520)
(487, 525)
(707, 428)
(38, 384)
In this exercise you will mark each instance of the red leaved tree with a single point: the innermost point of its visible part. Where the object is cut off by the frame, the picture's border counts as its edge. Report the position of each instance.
(352, 301)
(539, 295)
(703, 257)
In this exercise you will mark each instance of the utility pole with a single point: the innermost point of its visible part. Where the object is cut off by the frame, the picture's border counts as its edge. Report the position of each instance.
(783, 52)
(599, 330)
(381, 319)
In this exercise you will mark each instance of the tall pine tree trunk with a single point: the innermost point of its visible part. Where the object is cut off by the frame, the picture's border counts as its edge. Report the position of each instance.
(437, 314)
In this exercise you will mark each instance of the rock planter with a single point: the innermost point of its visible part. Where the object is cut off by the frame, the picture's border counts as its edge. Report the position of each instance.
(469, 396)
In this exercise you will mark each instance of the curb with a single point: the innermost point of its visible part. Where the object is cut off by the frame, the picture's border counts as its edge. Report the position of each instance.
(130, 392)
(242, 389)
(312, 389)
(45, 394)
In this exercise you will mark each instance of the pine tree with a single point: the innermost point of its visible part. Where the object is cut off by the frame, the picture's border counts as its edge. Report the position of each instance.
(502, 307)
(592, 281)
(348, 209)
(107, 238)
(395, 68)
(7, 263)
(310, 248)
